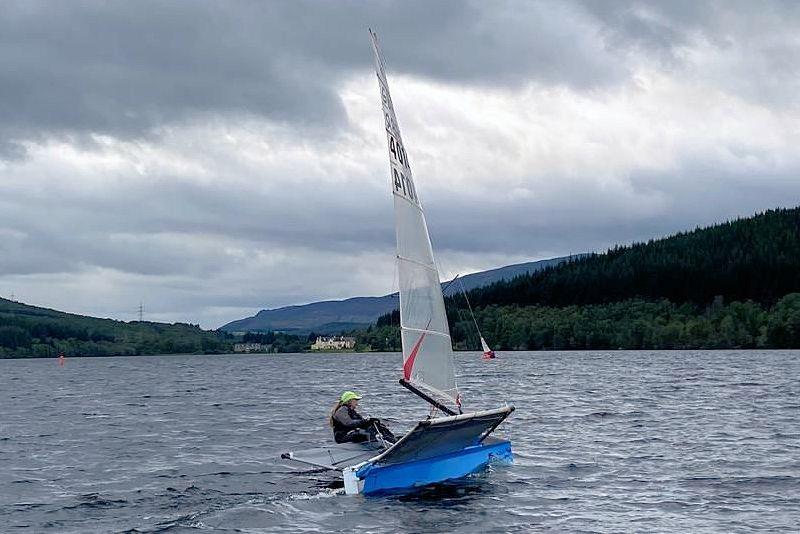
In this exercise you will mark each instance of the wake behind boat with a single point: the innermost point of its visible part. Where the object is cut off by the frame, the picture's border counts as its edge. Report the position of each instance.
(437, 448)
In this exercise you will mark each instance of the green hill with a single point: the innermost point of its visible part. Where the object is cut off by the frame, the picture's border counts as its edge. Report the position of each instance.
(29, 331)
(732, 285)
(756, 258)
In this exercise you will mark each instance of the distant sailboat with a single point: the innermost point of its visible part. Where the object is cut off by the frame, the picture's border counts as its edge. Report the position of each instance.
(488, 353)
(437, 448)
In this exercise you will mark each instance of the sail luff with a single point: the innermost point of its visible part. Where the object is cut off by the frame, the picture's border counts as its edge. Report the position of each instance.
(425, 334)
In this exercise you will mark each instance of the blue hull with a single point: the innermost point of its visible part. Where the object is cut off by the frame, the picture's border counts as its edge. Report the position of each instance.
(408, 475)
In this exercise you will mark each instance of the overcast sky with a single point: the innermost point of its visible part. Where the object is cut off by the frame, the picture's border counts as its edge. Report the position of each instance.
(211, 159)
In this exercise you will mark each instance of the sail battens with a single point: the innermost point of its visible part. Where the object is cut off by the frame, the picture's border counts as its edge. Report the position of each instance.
(400, 196)
(444, 395)
(424, 331)
(429, 266)
(427, 347)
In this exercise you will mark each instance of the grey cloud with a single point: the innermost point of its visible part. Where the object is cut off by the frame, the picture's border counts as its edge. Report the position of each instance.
(753, 41)
(126, 68)
(507, 43)
(587, 218)
(138, 232)
(656, 26)
(132, 227)
(123, 69)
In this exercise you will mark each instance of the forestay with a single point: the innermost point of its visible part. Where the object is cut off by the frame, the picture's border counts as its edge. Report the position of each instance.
(425, 335)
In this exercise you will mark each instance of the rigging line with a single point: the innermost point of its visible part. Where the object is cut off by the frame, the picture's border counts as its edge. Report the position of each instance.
(395, 293)
(461, 320)
(469, 306)
(467, 339)
(450, 283)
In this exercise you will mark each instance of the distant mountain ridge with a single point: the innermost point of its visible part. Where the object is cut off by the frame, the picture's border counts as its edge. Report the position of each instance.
(333, 316)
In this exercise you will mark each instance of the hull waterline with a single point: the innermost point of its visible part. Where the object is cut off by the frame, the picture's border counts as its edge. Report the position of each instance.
(372, 478)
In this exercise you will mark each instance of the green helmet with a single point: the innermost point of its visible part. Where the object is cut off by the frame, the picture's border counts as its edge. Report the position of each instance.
(348, 396)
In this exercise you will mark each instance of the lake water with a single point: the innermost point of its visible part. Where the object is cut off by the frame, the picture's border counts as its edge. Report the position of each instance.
(604, 442)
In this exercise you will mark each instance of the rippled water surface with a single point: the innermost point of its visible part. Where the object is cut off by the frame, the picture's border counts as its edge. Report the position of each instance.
(604, 442)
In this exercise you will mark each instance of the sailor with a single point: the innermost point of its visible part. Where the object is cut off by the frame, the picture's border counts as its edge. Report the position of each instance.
(350, 426)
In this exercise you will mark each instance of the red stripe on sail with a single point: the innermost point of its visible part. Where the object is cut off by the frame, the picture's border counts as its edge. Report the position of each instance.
(409, 363)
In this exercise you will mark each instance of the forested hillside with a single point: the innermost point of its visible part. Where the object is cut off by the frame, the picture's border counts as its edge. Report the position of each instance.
(29, 331)
(756, 259)
(733, 285)
(630, 324)
(636, 324)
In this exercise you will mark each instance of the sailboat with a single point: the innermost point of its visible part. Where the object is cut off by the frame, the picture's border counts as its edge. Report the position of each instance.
(439, 448)
(488, 353)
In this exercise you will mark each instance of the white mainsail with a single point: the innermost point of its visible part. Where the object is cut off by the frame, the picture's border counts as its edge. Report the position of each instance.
(425, 335)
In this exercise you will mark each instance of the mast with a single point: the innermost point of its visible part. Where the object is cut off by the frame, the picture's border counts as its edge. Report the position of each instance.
(425, 335)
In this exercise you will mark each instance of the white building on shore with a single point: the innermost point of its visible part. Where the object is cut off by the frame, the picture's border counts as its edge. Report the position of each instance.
(248, 347)
(334, 343)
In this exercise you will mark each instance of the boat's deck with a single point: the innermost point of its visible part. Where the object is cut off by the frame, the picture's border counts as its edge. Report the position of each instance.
(437, 437)
(430, 438)
(336, 456)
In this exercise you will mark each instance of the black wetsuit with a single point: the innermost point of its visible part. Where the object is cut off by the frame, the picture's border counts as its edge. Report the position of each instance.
(350, 426)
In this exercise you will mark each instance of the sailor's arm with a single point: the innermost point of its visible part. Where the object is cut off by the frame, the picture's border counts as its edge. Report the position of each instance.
(342, 415)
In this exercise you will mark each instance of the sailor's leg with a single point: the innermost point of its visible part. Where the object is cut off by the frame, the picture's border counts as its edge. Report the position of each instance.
(357, 436)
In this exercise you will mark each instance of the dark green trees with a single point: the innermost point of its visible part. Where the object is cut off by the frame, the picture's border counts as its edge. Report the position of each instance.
(754, 259)
(28, 331)
(733, 285)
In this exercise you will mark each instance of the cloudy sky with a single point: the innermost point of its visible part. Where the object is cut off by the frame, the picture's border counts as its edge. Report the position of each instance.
(214, 158)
